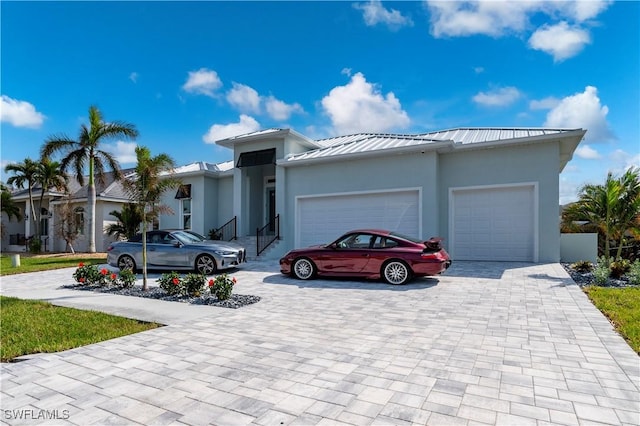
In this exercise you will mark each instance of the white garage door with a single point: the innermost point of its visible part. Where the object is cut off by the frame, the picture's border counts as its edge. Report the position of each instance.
(323, 219)
(493, 224)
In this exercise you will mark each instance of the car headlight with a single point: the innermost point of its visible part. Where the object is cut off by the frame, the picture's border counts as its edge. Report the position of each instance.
(224, 252)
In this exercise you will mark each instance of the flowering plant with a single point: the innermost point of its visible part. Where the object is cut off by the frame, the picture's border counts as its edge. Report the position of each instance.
(171, 283)
(126, 279)
(193, 284)
(87, 274)
(222, 286)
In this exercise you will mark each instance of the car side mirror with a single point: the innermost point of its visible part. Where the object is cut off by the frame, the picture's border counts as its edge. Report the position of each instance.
(175, 243)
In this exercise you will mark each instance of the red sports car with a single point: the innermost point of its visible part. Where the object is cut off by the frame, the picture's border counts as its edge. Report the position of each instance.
(369, 253)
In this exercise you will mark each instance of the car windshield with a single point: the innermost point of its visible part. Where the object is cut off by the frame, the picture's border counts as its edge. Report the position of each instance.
(195, 234)
(186, 237)
(405, 237)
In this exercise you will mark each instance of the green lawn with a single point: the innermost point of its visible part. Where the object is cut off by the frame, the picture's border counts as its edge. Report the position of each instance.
(622, 307)
(33, 263)
(30, 326)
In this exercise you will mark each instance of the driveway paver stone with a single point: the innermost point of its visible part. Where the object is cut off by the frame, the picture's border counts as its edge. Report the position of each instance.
(486, 343)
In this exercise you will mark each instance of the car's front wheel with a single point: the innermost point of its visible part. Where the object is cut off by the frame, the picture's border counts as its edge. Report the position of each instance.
(206, 264)
(303, 269)
(396, 272)
(126, 262)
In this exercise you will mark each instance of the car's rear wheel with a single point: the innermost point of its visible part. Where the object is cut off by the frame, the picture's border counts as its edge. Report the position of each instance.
(126, 262)
(396, 272)
(303, 268)
(206, 264)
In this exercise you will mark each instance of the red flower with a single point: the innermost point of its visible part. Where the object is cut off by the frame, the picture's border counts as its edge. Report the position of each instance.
(81, 279)
(176, 281)
(113, 276)
(80, 265)
(211, 283)
(104, 271)
(234, 280)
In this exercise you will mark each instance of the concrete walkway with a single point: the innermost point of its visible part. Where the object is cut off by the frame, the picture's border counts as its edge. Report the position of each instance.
(487, 343)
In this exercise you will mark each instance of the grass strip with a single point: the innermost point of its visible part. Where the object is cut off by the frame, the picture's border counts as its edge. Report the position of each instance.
(622, 307)
(31, 326)
(47, 262)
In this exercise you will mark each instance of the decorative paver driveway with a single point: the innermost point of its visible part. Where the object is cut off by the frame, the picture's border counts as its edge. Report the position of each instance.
(487, 343)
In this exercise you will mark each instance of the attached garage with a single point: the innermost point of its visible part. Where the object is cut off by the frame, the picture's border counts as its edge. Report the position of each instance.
(321, 219)
(494, 223)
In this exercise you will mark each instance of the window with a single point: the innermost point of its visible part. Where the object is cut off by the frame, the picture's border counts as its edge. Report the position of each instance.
(356, 241)
(78, 214)
(186, 213)
(44, 222)
(257, 158)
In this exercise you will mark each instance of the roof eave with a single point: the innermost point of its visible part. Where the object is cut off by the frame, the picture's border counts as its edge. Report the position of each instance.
(431, 146)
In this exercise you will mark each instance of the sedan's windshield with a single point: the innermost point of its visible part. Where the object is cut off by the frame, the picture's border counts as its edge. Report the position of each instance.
(186, 237)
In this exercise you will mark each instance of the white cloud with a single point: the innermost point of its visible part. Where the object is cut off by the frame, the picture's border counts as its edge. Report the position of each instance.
(546, 103)
(279, 110)
(125, 152)
(217, 132)
(244, 98)
(374, 13)
(501, 18)
(133, 77)
(623, 161)
(202, 82)
(497, 98)
(560, 41)
(360, 107)
(19, 113)
(587, 153)
(478, 70)
(582, 110)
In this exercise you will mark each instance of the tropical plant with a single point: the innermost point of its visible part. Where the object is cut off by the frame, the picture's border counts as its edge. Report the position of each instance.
(194, 284)
(614, 208)
(171, 283)
(24, 173)
(129, 220)
(65, 223)
(7, 204)
(49, 175)
(86, 149)
(222, 286)
(152, 178)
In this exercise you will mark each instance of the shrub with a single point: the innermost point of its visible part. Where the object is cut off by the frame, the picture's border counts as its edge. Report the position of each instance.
(126, 279)
(619, 267)
(582, 266)
(222, 286)
(171, 283)
(634, 273)
(213, 235)
(193, 284)
(601, 274)
(87, 274)
(35, 245)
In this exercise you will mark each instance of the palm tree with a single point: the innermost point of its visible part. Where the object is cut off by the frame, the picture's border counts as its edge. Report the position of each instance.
(24, 173)
(614, 208)
(129, 220)
(7, 204)
(49, 175)
(152, 179)
(87, 149)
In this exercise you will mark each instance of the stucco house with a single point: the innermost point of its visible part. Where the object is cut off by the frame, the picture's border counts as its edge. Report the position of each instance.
(110, 196)
(492, 193)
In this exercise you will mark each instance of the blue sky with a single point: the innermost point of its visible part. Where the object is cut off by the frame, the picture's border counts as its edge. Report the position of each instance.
(189, 73)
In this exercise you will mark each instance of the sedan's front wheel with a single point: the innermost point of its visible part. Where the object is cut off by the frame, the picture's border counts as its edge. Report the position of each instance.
(396, 272)
(304, 269)
(206, 264)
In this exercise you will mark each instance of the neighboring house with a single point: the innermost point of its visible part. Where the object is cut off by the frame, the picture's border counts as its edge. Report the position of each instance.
(109, 196)
(492, 193)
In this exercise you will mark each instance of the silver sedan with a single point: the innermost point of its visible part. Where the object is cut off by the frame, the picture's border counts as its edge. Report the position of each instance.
(176, 250)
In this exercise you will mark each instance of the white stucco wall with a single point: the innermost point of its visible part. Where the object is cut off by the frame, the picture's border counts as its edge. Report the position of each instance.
(537, 163)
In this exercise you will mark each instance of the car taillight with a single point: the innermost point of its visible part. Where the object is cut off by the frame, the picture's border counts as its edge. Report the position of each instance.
(109, 248)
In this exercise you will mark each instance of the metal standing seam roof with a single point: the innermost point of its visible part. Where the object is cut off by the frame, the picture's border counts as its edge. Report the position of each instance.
(369, 142)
